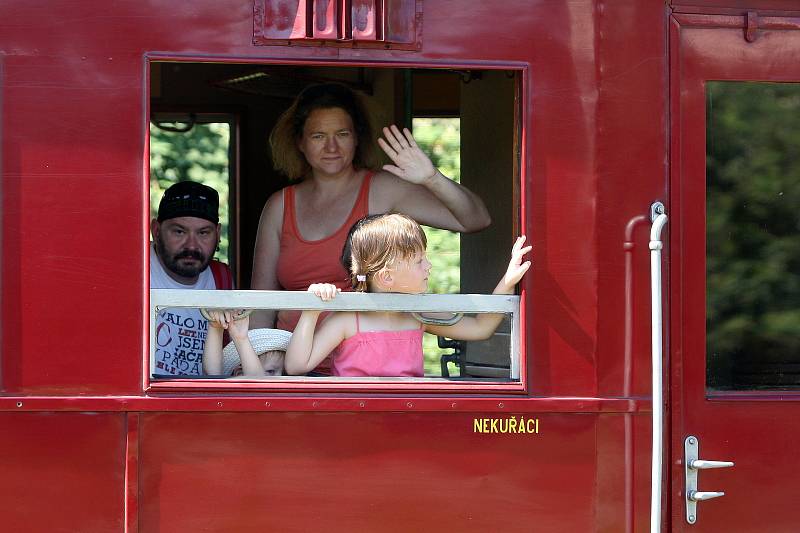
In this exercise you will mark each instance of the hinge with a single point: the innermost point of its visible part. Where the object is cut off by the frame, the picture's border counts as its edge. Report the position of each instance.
(751, 29)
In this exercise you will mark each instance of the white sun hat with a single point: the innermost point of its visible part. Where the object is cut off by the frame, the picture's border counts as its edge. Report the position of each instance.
(263, 340)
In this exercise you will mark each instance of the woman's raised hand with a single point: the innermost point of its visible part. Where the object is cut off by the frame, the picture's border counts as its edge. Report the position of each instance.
(326, 291)
(516, 268)
(410, 162)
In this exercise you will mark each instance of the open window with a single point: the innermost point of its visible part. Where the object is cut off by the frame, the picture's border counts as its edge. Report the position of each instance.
(465, 118)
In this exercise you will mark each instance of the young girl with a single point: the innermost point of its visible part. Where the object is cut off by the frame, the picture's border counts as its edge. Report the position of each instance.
(386, 254)
(257, 353)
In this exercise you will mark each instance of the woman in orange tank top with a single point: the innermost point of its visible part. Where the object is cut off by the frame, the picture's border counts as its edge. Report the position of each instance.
(324, 140)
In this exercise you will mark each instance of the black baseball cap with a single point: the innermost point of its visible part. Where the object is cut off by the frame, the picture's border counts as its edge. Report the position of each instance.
(189, 199)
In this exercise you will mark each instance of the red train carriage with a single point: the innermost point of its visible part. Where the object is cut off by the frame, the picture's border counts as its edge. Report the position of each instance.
(575, 117)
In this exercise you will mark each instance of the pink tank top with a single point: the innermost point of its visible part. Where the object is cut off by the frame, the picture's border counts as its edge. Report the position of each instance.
(379, 354)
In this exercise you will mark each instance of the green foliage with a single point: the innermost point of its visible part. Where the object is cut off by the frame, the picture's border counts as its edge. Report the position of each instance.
(201, 155)
(753, 244)
(440, 138)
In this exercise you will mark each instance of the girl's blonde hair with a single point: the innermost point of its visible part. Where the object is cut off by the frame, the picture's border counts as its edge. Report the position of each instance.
(376, 242)
(287, 157)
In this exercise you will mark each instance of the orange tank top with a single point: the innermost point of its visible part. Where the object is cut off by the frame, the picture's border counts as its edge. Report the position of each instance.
(303, 262)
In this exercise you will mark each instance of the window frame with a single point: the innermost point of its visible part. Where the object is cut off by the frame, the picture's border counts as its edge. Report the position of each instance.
(304, 385)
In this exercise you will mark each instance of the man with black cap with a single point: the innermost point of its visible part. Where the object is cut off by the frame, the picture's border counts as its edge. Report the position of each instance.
(185, 236)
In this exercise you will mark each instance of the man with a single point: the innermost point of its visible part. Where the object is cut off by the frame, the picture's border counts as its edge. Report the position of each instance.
(185, 235)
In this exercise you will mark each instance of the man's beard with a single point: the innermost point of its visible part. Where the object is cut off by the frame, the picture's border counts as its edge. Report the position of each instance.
(171, 261)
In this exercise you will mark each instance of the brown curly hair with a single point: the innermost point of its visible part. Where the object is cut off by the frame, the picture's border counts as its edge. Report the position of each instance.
(288, 158)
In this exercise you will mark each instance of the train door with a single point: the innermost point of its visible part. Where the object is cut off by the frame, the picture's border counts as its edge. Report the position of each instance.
(734, 320)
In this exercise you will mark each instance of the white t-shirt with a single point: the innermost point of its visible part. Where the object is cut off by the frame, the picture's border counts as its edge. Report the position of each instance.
(180, 333)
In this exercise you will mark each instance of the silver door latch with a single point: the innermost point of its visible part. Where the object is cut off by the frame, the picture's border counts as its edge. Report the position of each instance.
(692, 466)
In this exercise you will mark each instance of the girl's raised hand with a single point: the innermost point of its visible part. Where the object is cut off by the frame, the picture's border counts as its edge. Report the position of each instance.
(219, 318)
(326, 291)
(410, 162)
(516, 268)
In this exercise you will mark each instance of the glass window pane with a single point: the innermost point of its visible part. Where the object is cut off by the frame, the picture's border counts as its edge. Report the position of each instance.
(753, 236)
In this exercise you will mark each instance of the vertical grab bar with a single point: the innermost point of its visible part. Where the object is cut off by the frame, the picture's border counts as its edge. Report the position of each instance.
(659, 218)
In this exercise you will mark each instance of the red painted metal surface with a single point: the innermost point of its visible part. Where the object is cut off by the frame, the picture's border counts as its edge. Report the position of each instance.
(74, 299)
(757, 431)
(567, 112)
(62, 472)
(375, 472)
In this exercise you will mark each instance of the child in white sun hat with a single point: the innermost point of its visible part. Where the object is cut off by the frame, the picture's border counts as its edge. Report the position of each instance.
(255, 353)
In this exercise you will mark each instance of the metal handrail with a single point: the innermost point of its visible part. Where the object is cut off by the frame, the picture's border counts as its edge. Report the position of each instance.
(659, 218)
(346, 301)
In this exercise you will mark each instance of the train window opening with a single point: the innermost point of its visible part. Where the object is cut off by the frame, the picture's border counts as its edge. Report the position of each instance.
(752, 236)
(450, 112)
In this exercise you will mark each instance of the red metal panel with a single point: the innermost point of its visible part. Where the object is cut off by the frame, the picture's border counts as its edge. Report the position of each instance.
(74, 213)
(66, 174)
(132, 473)
(42, 80)
(623, 474)
(631, 171)
(372, 472)
(62, 472)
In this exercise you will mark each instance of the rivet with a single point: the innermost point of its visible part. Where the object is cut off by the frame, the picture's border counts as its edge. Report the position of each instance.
(692, 440)
(219, 404)
(453, 405)
(315, 404)
(500, 405)
(361, 404)
(19, 404)
(267, 404)
(409, 405)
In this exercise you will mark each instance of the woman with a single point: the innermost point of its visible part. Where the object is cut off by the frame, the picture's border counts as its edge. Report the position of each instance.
(324, 138)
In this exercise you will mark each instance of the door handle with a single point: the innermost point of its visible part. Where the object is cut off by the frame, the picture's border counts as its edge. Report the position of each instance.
(700, 496)
(702, 464)
(693, 465)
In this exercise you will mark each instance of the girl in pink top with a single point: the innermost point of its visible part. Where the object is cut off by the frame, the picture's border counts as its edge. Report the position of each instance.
(385, 253)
